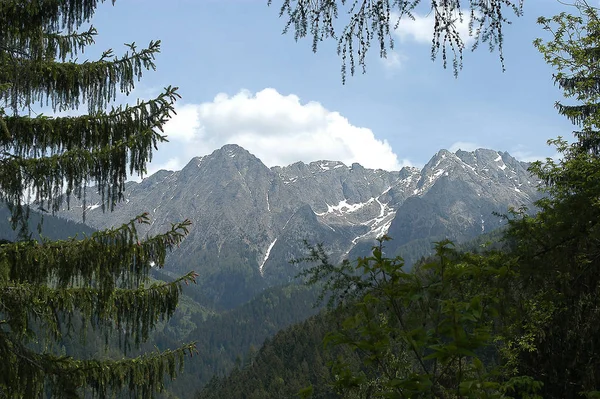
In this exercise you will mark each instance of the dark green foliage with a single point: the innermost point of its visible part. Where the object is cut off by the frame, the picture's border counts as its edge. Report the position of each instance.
(556, 340)
(573, 52)
(297, 351)
(430, 333)
(444, 319)
(226, 340)
(287, 363)
(52, 289)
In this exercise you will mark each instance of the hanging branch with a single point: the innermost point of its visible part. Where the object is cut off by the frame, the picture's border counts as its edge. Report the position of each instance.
(374, 21)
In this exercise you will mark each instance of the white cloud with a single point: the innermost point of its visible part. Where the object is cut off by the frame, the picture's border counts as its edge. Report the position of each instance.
(278, 129)
(420, 29)
(464, 145)
(184, 126)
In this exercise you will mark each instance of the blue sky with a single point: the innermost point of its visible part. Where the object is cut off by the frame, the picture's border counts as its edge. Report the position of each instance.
(244, 82)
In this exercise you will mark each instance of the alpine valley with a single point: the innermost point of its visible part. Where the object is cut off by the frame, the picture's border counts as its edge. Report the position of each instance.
(249, 220)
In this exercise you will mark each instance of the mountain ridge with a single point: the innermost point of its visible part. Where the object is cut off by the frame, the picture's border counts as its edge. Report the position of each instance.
(250, 220)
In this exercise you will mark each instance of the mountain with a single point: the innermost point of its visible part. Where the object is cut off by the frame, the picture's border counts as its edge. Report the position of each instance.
(458, 194)
(249, 220)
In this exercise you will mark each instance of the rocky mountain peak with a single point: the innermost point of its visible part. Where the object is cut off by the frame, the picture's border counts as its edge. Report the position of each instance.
(230, 157)
(232, 153)
(246, 215)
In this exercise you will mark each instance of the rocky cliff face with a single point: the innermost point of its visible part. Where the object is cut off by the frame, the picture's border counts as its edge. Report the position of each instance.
(249, 220)
(457, 195)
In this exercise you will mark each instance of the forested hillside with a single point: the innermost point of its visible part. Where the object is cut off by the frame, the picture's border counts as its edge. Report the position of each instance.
(298, 359)
(231, 339)
(292, 360)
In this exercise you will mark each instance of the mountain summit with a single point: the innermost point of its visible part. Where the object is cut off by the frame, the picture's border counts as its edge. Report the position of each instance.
(249, 220)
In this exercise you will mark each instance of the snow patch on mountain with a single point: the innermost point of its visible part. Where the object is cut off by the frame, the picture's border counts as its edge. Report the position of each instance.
(380, 224)
(260, 268)
(328, 165)
(288, 180)
(344, 207)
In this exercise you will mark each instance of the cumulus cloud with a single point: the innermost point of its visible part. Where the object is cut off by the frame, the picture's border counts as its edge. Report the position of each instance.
(279, 129)
(184, 126)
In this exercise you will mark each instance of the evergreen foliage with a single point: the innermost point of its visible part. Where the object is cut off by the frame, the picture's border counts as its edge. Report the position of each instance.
(230, 340)
(364, 341)
(100, 280)
(573, 52)
(557, 339)
(290, 361)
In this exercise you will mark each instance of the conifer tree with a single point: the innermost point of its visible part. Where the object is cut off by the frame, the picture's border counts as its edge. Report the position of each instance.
(574, 52)
(555, 334)
(48, 287)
